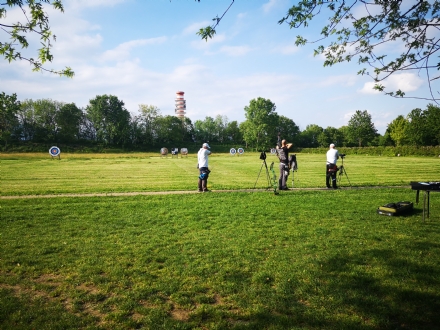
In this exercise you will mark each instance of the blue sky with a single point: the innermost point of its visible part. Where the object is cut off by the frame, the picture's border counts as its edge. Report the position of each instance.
(143, 51)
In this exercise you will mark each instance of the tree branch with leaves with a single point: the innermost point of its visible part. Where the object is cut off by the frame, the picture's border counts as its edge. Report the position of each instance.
(35, 22)
(352, 35)
(360, 28)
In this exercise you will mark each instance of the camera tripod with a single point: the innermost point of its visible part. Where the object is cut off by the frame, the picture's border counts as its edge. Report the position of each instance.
(271, 180)
(342, 172)
(293, 165)
(293, 177)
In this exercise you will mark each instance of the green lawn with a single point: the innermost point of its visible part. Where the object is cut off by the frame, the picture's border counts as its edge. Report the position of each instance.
(303, 259)
(36, 174)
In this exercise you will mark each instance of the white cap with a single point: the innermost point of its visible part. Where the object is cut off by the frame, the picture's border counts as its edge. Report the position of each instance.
(332, 145)
(206, 145)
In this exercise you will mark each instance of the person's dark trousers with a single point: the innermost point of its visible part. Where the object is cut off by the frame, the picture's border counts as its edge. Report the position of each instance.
(330, 176)
(203, 183)
(284, 173)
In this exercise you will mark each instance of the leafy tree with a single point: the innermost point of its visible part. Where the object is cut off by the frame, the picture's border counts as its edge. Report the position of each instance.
(68, 120)
(26, 118)
(385, 140)
(397, 130)
(310, 136)
(205, 130)
(170, 131)
(260, 127)
(9, 108)
(147, 122)
(221, 122)
(359, 29)
(330, 135)
(110, 119)
(45, 112)
(417, 128)
(188, 130)
(87, 131)
(361, 128)
(35, 22)
(288, 130)
(344, 131)
(233, 133)
(433, 122)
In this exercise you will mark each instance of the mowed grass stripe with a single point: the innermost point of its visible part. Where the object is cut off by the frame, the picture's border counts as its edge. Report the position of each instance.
(37, 174)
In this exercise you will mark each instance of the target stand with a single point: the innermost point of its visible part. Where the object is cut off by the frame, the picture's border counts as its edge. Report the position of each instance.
(174, 152)
(55, 152)
(163, 152)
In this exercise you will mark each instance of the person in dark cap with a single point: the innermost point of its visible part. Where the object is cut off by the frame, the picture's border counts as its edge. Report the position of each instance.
(331, 169)
(202, 165)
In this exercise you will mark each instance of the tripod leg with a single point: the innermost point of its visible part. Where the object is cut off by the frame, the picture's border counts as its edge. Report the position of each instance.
(267, 175)
(259, 173)
(344, 172)
(347, 177)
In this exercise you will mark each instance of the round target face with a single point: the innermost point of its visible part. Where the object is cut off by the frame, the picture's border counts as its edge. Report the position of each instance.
(273, 151)
(241, 151)
(54, 151)
(232, 151)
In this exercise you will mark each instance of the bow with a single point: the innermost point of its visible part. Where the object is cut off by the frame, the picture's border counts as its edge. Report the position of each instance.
(273, 180)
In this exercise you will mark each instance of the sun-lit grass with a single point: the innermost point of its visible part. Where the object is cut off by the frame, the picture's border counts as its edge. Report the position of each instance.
(24, 174)
(303, 259)
(299, 260)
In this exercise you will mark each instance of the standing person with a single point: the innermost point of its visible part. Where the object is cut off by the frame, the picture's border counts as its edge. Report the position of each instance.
(202, 165)
(331, 168)
(283, 155)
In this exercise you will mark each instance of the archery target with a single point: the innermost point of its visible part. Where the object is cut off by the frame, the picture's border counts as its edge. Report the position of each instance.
(54, 151)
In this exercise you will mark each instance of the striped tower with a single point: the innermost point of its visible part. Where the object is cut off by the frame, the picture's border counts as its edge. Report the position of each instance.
(180, 105)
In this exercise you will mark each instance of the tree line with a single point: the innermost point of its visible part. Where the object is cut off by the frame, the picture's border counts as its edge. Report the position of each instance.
(106, 121)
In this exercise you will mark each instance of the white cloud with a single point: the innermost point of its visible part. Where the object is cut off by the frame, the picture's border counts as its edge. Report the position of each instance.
(406, 82)
(341, 80)
(235, 50)
(195, 27)
(286, 49)
(347, 116)
(83, 4)
(123, 50)
(271, 4)
(368, 88)
(205, 45)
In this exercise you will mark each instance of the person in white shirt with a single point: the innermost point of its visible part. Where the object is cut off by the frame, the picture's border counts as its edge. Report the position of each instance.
(202, 165)
(331, 169)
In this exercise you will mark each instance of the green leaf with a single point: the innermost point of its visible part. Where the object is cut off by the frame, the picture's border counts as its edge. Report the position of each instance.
(206, 33)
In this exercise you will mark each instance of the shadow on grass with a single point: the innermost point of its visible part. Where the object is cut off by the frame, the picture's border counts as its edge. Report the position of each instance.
(350, 295)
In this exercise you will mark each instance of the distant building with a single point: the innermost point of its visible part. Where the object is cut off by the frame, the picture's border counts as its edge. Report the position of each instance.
(180, 105)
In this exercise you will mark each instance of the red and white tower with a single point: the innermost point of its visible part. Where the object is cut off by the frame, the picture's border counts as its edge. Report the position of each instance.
(180, 105)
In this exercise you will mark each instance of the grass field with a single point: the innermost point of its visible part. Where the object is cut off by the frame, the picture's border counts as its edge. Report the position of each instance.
(304, 259)
(36, 174)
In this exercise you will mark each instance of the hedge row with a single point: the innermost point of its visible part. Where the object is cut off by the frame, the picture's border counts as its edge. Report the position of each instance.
(381, 151)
